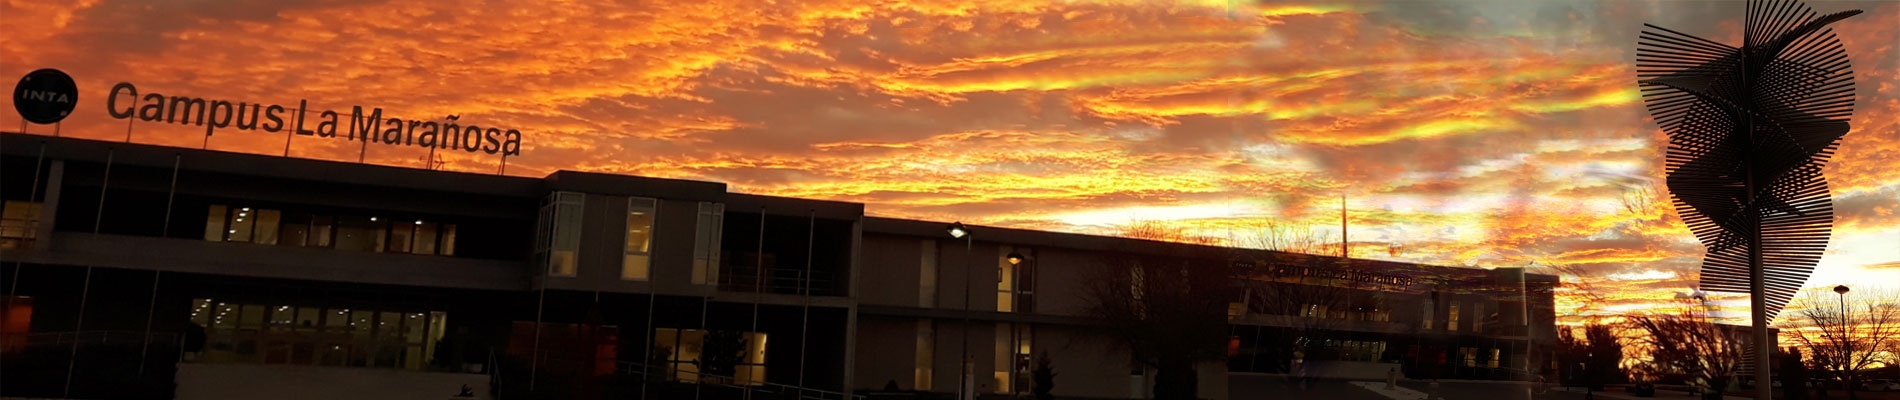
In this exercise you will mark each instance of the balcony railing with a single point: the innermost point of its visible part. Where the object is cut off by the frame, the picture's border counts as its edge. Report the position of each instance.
(779, 281)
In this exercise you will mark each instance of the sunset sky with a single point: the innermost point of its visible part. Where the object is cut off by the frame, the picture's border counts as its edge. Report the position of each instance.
(1471, 133)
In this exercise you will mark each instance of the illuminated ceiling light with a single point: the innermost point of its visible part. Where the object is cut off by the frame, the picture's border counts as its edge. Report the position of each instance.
(418, 222)
(245, 209)
(372, 219)
(1014, 258)
(957, 231)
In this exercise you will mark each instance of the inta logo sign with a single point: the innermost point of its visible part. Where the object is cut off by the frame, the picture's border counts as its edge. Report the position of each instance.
(45, 96)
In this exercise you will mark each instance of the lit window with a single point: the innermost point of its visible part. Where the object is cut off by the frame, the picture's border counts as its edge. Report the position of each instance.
(1005, 281)
(926, 346)
(1451, 318)
(558, 233)
(1493, 362)
(19, 222)
(634, 264)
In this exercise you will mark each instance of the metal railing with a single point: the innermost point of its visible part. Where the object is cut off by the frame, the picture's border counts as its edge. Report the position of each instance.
(84, 338)
(792, 281)
(765, 390)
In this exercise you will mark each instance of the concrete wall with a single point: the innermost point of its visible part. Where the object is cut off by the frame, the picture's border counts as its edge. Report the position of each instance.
(892, 270)
(283, 382)
(888, 351)
(264, 261)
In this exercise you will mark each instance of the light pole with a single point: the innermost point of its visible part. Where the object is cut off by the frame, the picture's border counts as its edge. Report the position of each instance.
(1846, 365)
(957, 231)
(1015, 342)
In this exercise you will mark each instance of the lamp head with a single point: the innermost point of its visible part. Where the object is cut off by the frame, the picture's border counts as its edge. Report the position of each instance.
(957, 231)
(1842, 289)
(1014, 258)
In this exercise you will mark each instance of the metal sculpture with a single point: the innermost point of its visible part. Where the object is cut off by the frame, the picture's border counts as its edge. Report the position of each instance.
(1749, 130)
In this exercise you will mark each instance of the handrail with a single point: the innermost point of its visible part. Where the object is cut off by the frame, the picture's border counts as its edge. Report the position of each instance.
(779, 280)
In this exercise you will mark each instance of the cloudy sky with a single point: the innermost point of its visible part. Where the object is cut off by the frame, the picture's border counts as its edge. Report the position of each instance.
(1470, 133)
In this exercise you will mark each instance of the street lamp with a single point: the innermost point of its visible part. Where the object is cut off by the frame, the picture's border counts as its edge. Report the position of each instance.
(1015, 363)
(957, 231)
(1846, 366)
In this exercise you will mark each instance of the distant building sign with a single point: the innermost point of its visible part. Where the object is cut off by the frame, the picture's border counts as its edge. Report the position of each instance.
(45, 96)
(368, 126)
(1349, 275)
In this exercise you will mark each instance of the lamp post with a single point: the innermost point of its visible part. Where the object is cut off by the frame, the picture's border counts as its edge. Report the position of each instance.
(957, 231)
(1846, 366)
(1015, 342)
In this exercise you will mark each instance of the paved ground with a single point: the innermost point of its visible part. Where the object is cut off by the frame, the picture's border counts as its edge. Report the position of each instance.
(1251, 387)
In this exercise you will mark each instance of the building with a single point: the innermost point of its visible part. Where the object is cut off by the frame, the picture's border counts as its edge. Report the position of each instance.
(265, 274)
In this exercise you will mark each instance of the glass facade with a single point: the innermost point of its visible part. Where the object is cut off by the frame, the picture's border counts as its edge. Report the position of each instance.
(684, 352)
(558, 233)
(926, 354)
(237, 223)
(304, 335)
(708, 231)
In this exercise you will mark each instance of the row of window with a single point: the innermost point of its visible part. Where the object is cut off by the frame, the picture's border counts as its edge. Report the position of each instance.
(297, 335)
(1013, 356)
(1015, 283)
(358, 233)
(682, 351)
(558, 237)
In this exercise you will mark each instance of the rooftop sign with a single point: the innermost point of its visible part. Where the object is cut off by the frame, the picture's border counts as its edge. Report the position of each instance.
(369, 126)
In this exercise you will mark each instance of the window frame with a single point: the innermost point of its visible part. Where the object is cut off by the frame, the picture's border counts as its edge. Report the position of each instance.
(628, 252)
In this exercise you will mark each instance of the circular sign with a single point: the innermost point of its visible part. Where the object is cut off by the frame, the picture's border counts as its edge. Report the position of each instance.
(45, 96)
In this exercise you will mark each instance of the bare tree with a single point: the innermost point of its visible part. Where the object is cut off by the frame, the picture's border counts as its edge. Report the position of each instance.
(1170, 312)
(1847, 333)
(1274, 235)
(1158, 231)
(1689, 343)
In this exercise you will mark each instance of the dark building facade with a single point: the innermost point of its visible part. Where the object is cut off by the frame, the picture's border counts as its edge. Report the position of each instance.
(237, 275)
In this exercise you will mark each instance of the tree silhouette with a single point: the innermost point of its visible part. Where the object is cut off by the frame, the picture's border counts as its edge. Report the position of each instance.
(1847, 343)
(1044, 378)
(1169, 312)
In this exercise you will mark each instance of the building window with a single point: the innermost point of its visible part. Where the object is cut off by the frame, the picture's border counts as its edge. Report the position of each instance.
(1314, 311)
(635, 263)
(19, 222)
(237, 223)
(708, 232)
(1477, 310)
(1451, 318)
(1470, 355)
(558, 234)
(1011, 355)
(242, 224)
(1005, 281)
(1493, 362)
(1428, 314)
(926, 351)
(682, 350)
(301, 335)
(927, 276)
